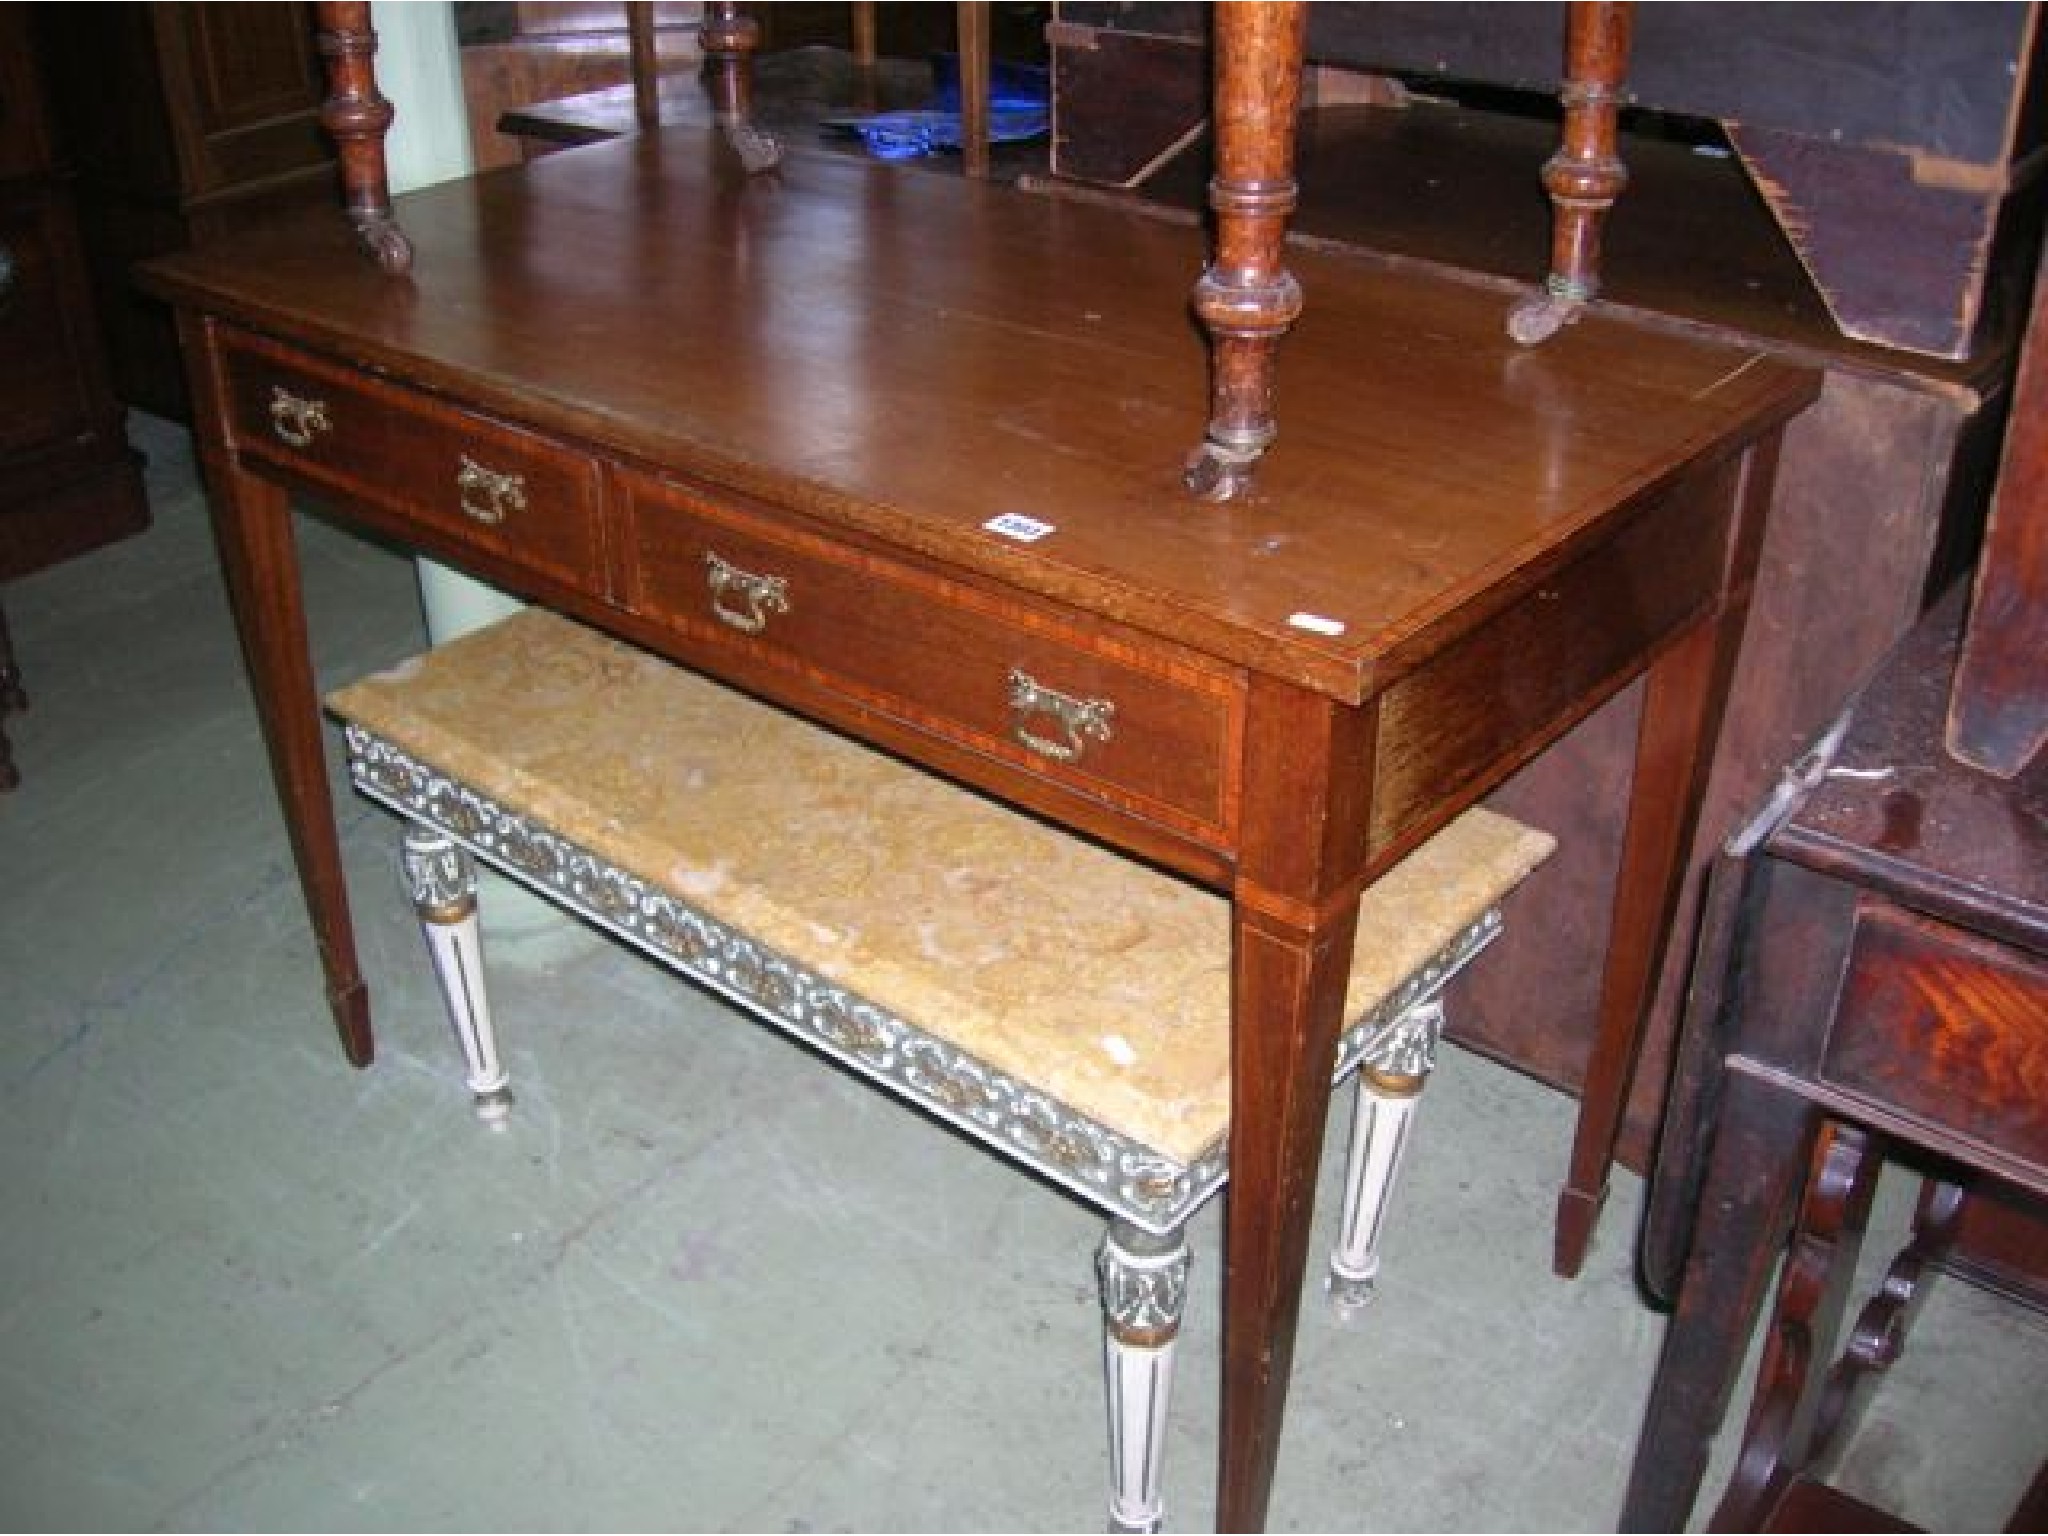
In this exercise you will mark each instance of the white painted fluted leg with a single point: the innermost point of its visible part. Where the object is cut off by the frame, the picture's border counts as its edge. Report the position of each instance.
(1144, 1290)
(1391, 1076)
(440, 878)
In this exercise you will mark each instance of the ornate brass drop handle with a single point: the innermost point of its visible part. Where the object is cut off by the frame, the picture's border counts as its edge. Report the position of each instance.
(489, 495)
(759, 596)
(1080, 720)
(296, 419)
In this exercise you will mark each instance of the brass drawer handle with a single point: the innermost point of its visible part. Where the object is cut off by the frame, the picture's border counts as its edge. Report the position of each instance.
(296, 419)
(1080, 720)
(759, 595)
(489, 495)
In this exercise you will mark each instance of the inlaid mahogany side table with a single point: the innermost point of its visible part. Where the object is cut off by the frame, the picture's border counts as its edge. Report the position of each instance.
(874, 446)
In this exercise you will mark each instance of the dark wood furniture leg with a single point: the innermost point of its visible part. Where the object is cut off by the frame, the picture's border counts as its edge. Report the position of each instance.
(972, 25)
(863, 22)
(1998, 710)
(1586, 174)
(252, 521)
(357, 115)
(865, 54)
(1684, 697)
(1295, 914)
(1813, 1294)
(1247, 299)
(1800, 1403)
(729, 40)
(12, 702)
(1764, 1141)
(644, 63)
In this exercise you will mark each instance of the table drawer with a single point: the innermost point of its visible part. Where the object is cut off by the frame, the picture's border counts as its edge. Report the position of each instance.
(481, 486)
(1946, 1026)
(1132, 720)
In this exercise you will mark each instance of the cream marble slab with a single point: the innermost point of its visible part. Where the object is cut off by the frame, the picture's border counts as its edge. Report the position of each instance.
(1101, 982)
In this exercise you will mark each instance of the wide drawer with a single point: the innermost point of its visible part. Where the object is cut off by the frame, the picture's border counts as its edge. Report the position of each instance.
(481, 485)
(1138, 723)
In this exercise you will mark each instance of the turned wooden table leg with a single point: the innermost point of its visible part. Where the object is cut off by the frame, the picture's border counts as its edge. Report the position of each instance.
(1586, 174)
(729, 41)
(358, 117)
(1247, 299)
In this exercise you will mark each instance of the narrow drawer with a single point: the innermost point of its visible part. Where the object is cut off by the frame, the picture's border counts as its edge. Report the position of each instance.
(1945, 1026)
(463, 481)
(1131, 720)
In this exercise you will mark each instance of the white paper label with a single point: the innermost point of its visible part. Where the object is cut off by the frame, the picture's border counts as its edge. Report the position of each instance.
(1015, 525)
(1316, 624)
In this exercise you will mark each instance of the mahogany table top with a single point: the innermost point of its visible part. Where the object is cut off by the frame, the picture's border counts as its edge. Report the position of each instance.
(912, 356)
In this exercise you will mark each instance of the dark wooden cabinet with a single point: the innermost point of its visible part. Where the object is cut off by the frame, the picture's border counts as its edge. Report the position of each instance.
(185, 124)
(68, 480)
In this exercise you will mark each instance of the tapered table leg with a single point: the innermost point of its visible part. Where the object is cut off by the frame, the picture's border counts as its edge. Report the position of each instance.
(1308, 791)
(252, 521)
(1684, 697)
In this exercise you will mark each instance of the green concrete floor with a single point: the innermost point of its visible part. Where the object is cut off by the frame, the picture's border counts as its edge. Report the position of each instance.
(701, 1280)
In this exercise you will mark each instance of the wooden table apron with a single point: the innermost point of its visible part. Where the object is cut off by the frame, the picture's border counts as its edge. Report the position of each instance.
(1453, 553)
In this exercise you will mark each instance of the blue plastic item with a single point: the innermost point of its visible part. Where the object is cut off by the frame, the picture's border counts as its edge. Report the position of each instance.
(1020, 108)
